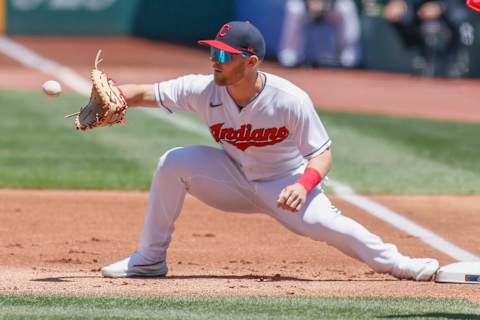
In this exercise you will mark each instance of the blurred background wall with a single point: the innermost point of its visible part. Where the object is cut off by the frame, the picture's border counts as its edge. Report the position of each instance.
(64, 17)
(185, 21)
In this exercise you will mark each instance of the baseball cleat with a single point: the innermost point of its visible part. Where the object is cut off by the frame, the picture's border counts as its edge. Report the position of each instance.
(416, 269)
(135, 266)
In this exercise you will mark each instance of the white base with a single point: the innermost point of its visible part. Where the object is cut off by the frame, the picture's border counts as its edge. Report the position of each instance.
(460, 272)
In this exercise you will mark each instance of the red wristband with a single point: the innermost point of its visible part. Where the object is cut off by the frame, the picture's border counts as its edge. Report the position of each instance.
(310, 179)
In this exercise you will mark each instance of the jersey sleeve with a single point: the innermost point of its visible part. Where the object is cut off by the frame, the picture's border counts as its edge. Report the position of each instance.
(309, 132)
(181, 94)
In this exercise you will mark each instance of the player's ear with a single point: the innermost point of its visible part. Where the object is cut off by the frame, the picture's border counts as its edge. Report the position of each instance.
(253, 61)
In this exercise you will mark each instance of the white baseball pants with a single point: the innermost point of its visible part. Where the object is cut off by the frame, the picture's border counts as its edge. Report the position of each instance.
(211, 176)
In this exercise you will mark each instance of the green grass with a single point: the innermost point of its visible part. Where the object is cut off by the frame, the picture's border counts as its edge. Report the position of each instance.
(377, 154)
(60, 307)
(41, 149)
(373, 154)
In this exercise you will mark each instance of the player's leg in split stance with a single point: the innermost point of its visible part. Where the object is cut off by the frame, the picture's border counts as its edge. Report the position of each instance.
(206, 173)
(320, 220)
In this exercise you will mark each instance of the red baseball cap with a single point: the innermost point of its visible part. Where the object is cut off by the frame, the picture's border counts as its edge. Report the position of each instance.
(238, 37)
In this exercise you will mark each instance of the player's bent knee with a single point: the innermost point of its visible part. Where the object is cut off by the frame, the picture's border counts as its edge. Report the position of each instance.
(171, 160)
(182, 160)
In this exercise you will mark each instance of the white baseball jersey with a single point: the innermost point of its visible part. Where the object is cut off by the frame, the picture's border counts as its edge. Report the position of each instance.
(273, 135)
(265, 146)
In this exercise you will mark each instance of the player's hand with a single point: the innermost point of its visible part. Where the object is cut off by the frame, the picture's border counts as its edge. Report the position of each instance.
(292, 198)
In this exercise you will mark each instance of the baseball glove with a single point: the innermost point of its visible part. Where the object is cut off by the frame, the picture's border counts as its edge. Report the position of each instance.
(107, 105)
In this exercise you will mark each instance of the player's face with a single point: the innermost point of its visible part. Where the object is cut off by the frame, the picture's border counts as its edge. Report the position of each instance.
(229, 73)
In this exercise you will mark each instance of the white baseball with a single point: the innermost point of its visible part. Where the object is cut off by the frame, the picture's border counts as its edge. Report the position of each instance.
(52, 88)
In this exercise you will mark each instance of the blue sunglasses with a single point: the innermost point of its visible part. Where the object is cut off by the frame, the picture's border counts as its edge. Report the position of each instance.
(223, 56)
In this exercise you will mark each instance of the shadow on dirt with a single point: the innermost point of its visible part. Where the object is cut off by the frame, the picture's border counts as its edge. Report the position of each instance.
(63, 279)
(259, 278)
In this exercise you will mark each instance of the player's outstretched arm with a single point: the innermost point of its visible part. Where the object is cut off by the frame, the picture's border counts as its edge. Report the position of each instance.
(139, 95)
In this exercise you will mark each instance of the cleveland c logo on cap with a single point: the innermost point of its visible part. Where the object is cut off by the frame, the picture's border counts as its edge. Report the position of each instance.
(224, 30)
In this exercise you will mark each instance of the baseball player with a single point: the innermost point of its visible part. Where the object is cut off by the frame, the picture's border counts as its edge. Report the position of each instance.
(274, 154)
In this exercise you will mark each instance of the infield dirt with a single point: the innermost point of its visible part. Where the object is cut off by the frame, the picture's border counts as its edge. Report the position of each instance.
(56, 242)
